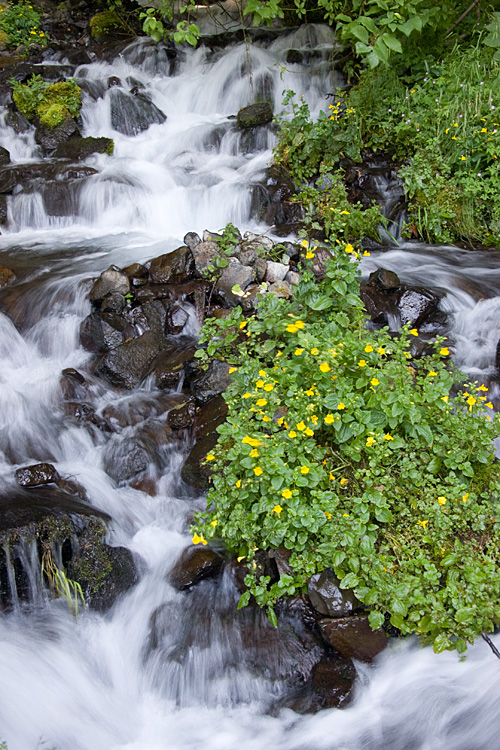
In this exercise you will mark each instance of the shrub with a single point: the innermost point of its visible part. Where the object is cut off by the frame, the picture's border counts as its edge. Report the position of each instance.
(51, 103)
(353, 455)
(21, 23)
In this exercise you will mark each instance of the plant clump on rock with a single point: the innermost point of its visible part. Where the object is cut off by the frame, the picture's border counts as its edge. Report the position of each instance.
(48, 103)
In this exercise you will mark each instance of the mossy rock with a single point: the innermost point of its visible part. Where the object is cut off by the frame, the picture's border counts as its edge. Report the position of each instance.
(254, 115)
(50, 103)
(106, 26)
(77, 149)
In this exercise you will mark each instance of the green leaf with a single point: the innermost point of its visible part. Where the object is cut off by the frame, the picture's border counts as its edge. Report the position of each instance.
(360, 33)
(271, 616)
(425, 432)
(383, 515)
(376, 619)
(493, 38)
(277, 481)
(412, 24)
(392, 42)
(244, 599)
(349, 581)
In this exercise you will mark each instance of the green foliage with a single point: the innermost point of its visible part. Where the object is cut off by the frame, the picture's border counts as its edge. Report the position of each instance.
(226, 245)
(21, 23)
(51, 103)
(342, 448)
(157, 21)
(61, 585)
(108, 25)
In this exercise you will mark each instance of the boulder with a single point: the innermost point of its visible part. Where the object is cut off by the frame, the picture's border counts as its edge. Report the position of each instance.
(275, 272)
(328, 598)
(168, 366)
(415, 305)
(131, 114)
(333, 683)
(384, 279)
(4, 157)
(172, 268)
(128, 364)
(212, 382)
(36, 475)
(78, 149)
(111, 280)
(6, 275)
(209, 416)
(234, 274)
(182, 415)
(256, 114)
(281, 289)
(177, 317)
(9, 178)
(194, 565)
(104, 574)
(353, 637)
(195, 471)
(191, 240)
(204, 253)
(50, 138)
(272, 199)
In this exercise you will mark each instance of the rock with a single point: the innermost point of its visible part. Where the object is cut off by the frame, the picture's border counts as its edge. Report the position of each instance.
(50, 138)
(111, 280)
(384, 279)
(275, 272)
(292, 278)
(108, 26)
(78, 149)
(272, 199)
(6, 276)
(4, 157)
(173, 267)
(255, 114)
(36, 475)
(177, 317)
(92, 335)
(353, 637)
(131, 114)
(73, 384)
(281, 289)
(378, 304)
(333, 683)
(327, 598)
(85, 414)
(125, 459)
(182, 416)
(191, 240)
(3, 209)
(128, 364)
(209, 416)
(204, 253)
(294, 56)
(168, 366)
(415, 305)
(195, 564)
(250, 298)
(131, 411)
(234, 274)
(318, 264)
(104, 574)
(8, 180)
(137, 274)
(195, 471)
(211, 383)
(260, 268)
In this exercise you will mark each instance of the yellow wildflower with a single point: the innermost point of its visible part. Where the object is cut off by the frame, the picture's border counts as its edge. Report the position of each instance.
(238, 483)
(368, 348)
(254, 453)
(341, 406)
(258, 471)
(292, 434)
(247, 395)
(243, 324)
(309, 432)
(298, 352)
(301, 426)
(309, 255)
(197, 539)
(329, 419)
(210, 457)
(471, 401)
(343, 482)
(362, 363)
(304, 470)
(374, 381)
(444, 352)
(370, 442)
(349, 248)
(414, 332)
(291, 328)
(214, 523)
(287, 494)
(232, 369)
(314, 351)
(422, 523)
(261, 402)
(327, 514)
(482, 388)
(431, 374)
(277, 509)
(388, 436)
(442, 500)
(299, 324)
(325, 367)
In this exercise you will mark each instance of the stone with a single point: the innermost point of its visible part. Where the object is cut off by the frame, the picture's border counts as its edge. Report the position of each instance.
(78, 149)
(116, 576)
(136, 272)
(4, 215)
(50, 138)
(168, 366)
(176, 319)
(133, 114)
(8, 180)
(191, 240)
(125, 459)
(127, 365)
(294, 57)
(384, 279)
(6, 276)
(256, 114)
(111, 280)
(195, 565)
(182, 415)
(281, 289)
(292, 278)
(234, 274)
(195, 471)
(73, 384)
(333, 683)
(204, 253)
(353, 637)
(172, 268)
(36, 475)
(415, 305)
(328, 598)
(4, 157)
(250, 298)
(260, 269)
(209, 416)
(91, 334)
(275, 272)
(272, 199)
(85, 413)
(212, 382)
(248, 256)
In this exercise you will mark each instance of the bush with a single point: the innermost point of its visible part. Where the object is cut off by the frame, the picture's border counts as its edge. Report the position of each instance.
(21, 23)
(51, 103)
(344, 449)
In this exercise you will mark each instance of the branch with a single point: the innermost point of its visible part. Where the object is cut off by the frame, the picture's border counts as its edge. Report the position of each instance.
(465, 13)
(491, 644)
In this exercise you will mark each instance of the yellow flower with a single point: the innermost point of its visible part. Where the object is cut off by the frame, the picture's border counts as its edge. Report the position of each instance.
(299, 324)
(489, 405)
(388, 436)
(343, 482)
(325, 367)
(366, 254)
(465, 497)
(482, 388)
(262, 373)
(329, 419)
(422, 523)
(247, 395)
(287, 494)
(259, 384)
(298, 352)
(362, 363)
(349, 248)
(381, 350)
(327, 514)
(471, 401)
(265, 418)
(238, 483)
(258, 471)
(455, 124)
(232, 369)
(214, 523)
(444, 398)
(484, 130)
(261, 402)
(291, 328)
(374, 381)
(431, 374)
(252, 442)
(197, 539)
(210, 457)
(269, 387)
(239, 559)
(309, 255)
(442, 500)
(444, 352)
(370, 442)
(447, 131)
(309, 432)
(243, 324)
(304, 470)
(414, 332)
(314, 351)
(301, 426)
(345, 515)
(407, 355)
(341, 406)
(463, 158)
(368, 348)
(347, 213)
(254, 453)
(292, 434)
(277, 509)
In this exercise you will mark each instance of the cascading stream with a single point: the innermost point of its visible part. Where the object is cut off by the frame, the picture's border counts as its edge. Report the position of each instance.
(165, 669)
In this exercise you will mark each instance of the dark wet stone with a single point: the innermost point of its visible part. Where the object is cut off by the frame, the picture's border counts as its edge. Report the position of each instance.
(415, 305)
(173, 267)
(191, 240)
(211, 383)
(177, 318)
(378, 304)
(17, 122)
(132, 410)
(204, 253)
(353, 637)
(182, 415)
(294, 56)
(8, 180)
(3, 209)
(111, 280)
(37, 474)
(78, 149)
(234, 274)
(72, 488)
(50, 138)
(255, 114)
(120, 575)
(333, 683)
(151, 316)
(195, 471)
(209, 416)
(128, 364)
(195, 564)
(73, 384)
(6, 276)
(4, 157)
(131, 114)
(85, 413)
(168, 366)
(272, 199)
(384, 279)
(137, 274)
(92, 335)
(125, 459)
(327, 598)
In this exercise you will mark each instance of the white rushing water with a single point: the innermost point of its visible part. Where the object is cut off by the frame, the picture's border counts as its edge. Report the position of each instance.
(98, 682)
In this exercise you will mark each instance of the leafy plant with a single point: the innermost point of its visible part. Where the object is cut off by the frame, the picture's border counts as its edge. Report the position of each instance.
(51, 103)
(226, 245)
(60, 584)
(347, 451)
(21, 23)
(158, 18)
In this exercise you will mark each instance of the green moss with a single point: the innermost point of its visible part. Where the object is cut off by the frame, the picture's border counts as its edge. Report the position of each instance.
(51, 103)
(54, 115)
(107, 25)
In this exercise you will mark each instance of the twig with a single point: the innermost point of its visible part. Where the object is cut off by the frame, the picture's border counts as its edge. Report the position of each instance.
(491, 644)
(465, 13)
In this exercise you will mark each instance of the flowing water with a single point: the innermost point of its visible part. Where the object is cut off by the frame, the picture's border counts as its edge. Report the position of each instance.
(98, 682)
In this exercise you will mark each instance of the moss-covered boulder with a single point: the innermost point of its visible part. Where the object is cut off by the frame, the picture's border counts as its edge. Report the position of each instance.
(49, 104)
(256, 114)
(108, 26)
(77, 149)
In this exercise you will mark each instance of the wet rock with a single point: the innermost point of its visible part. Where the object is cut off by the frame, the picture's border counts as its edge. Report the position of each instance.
(50, 138)
(3, 210)
(73, 384)
(177, 318)
(328, 598)
(104, 580)
(173, 267)
(319, 263)
(384, 279)
(128, 364)
(85, 413)
(111, 280)
(17, 122)
(272, 199)
(234, 274)
(137, 274)
(92, 335)
(415, 305)
(4, 157)
(168, 366)
(378, 304)
(294, 56)
(292, 278)
(204, 253)
(333, 683)
(281, 289)
(209, 416)
(78, 149)
(72, 488)
(182, 415)
(151, 316)
(353, 637)
(8, 180)
(195, 471)
(255, 114)
(6, 275)
(108, 26)
(191, 240)
(275, 272)
(250, 298)
(211, 383)
(195, 564)
(260, 268)
(131, 114)
(36, 475)
(133, 409)
(125, 459)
